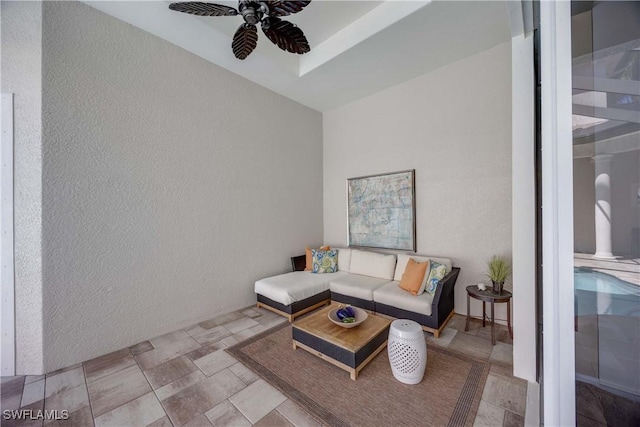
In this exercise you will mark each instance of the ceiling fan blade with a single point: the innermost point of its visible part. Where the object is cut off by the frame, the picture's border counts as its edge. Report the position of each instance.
(203, 9)
(285, 35)
(284, 8)
(244, 40)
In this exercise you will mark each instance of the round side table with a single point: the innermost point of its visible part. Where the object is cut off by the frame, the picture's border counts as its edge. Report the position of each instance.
(488, 296)
(407, 351)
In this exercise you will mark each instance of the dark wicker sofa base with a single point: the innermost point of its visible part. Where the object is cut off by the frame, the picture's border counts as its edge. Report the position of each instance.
(357, 302)
(297, 308)
(442, 309)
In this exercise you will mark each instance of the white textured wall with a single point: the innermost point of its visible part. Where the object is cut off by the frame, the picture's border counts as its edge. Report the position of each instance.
(170, 185)
(22, 75)
(453, 126)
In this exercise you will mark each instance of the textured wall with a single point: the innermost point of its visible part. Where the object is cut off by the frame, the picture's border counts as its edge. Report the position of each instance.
(584, 199)
(170, 185)
(453, 126)
(625, 211)
(22, 75)
(625, 215)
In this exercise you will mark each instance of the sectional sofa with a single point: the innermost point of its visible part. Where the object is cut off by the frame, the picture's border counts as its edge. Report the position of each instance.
(364, 279)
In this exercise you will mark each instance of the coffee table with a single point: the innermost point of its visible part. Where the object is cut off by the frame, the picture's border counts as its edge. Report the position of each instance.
(349, 349)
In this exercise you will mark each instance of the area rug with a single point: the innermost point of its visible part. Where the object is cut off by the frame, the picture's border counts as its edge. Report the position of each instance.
(448, 395)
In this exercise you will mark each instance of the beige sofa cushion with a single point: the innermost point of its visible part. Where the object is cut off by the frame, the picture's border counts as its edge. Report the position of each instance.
(356, 285)
(372, 264)
(344, 259)
(391, 294)
(295, 286)
(404, 258)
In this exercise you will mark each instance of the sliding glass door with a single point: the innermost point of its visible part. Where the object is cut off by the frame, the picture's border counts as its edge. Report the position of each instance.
(606, 186)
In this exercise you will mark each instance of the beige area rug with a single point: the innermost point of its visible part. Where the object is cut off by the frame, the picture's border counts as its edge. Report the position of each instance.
(448, 395)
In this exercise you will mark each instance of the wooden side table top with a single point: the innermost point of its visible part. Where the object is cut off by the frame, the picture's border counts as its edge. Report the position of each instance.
(488, 295)
(351, 339)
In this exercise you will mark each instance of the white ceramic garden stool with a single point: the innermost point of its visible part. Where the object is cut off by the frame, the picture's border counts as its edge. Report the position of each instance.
(407, 351)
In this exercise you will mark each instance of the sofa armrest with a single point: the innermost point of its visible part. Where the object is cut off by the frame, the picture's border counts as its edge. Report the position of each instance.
(443, 300)
(298, 263)
(445, 287)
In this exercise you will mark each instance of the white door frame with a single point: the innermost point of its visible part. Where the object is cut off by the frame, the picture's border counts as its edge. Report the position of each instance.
(557, 215)
(7, 291)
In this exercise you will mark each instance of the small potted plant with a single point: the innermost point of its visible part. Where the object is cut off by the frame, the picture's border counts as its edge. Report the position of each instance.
(499, 268)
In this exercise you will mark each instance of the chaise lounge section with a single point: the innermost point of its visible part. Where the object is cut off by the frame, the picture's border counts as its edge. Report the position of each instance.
(295, 293)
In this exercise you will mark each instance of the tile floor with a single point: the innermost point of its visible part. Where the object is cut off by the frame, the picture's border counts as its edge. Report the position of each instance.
(185, 378)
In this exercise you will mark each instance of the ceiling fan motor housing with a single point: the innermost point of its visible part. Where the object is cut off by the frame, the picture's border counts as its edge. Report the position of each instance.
(253, 11)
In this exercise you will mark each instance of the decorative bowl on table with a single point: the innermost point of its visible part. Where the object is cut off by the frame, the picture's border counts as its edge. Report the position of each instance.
(341, 316)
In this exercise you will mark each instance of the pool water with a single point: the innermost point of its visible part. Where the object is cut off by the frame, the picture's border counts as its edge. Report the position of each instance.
(591, 280)
(601, 293)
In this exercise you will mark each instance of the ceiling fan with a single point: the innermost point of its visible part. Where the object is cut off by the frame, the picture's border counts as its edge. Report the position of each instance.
(284, 34)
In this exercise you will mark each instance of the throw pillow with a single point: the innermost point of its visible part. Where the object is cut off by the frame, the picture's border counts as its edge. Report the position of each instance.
(324, 261)
(423, 285)
(437, 272)
(413, 276)
(309, 264)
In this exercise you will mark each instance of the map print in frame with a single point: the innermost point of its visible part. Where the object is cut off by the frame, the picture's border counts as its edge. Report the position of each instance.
(382, 211)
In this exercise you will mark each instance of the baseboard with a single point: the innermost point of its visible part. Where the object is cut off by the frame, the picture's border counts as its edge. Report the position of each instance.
(532, 408)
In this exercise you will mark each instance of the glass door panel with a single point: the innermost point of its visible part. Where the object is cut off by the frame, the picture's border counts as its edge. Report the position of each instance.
(606, 147)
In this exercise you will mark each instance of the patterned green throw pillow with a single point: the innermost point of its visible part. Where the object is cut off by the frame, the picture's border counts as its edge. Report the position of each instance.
(324, 261)
(436, 272)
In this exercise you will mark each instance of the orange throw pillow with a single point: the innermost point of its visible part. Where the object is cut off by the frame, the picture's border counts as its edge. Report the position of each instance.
(309, 265)
(413, 276)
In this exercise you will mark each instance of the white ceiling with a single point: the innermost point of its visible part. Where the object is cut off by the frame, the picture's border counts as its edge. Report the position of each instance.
(357, 47)
(319, 20)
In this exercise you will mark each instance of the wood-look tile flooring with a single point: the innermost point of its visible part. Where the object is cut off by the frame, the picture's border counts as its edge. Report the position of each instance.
(185, 378)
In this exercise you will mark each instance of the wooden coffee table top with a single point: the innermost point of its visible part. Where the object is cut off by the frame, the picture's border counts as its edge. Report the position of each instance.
(353, 339)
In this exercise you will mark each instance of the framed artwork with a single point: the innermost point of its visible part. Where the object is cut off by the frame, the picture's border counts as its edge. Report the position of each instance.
(382, 211)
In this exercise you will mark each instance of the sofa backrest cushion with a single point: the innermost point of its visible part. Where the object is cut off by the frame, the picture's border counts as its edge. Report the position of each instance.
(404, 258)
(372, 264)
(344, 259)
